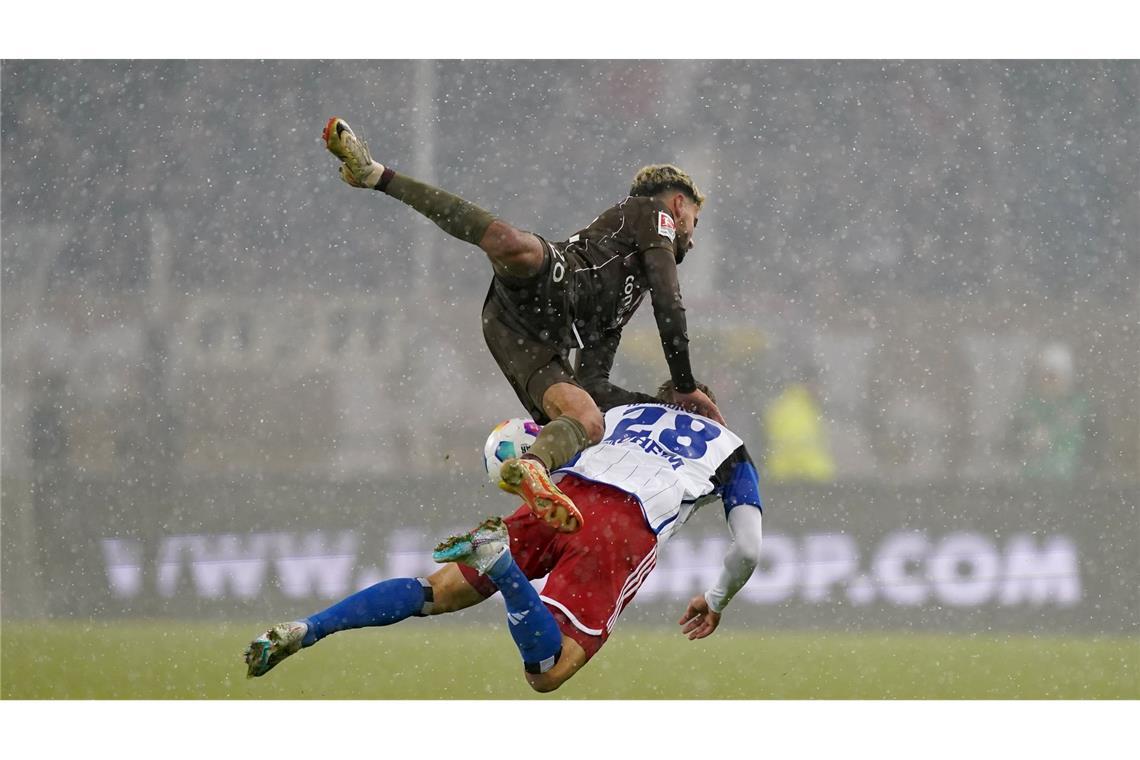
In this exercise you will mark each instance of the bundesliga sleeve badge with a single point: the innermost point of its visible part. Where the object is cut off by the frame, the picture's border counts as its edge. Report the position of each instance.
(665, 226)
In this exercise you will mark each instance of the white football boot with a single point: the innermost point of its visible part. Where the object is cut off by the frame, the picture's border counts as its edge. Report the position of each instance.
(479, 549)
(358, 169)
(273, 646)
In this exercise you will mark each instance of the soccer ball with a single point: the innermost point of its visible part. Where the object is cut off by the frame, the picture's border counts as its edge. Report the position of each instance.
(510, 439)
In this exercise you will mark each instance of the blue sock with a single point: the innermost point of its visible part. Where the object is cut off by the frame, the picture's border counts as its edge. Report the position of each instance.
(384, 603)
(534, 629)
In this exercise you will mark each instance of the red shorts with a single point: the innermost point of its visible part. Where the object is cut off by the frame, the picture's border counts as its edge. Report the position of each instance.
(592, 574)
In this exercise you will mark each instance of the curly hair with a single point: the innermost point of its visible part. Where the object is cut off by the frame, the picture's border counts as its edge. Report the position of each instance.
(653, 179)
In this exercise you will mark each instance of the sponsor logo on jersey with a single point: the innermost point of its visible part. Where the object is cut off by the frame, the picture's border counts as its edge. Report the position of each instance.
(666, 226)
(626, 304)
(650, 446)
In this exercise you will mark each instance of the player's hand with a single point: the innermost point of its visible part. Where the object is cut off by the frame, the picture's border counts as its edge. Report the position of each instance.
(699, 402)
(698, 621)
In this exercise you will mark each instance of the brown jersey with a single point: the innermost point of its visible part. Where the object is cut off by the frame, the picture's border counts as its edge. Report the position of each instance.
(591, 284)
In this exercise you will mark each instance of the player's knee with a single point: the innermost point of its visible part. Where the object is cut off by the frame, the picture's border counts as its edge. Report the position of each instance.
(565, 399)
(513, 242)
(446, 590)
(511, 248)
(594, 424)
(569, 661)
(544, 683)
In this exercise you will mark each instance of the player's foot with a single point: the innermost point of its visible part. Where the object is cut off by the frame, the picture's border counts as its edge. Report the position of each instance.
(528, 478)
(358, 169)
(479, 549)
(273, 646)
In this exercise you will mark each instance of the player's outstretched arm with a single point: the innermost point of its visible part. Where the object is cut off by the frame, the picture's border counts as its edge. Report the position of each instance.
(703, 614)
(743, 555)
(740, 490)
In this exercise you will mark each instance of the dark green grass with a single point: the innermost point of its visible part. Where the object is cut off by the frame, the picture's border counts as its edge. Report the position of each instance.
(427, 660)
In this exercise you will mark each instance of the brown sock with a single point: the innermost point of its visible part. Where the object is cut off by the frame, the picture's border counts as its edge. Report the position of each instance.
(558, 442)
(454, 215)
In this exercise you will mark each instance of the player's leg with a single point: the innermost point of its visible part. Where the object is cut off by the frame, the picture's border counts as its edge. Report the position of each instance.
(512, 252)
(487, 550)
(572, 659)
(597, 572)
(533, 367)
(451, 592)
(576, 423)
(384, 603)
(571, 400)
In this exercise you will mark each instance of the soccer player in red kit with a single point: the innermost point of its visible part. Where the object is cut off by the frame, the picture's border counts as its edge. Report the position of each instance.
(655, 466)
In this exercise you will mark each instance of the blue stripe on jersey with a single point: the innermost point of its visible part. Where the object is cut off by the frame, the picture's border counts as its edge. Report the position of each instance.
(663, 525)
(743, 487)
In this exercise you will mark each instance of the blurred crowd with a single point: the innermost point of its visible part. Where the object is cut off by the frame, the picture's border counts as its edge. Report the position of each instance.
(905, 271)
(955, 178)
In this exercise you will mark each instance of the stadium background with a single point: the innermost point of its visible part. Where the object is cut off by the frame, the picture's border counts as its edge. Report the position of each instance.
(235, 389)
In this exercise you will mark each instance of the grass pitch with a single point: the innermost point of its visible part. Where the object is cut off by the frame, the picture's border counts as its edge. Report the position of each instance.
(161, 660)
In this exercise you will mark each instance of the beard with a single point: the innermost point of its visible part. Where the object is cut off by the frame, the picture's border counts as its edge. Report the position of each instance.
(683, 245)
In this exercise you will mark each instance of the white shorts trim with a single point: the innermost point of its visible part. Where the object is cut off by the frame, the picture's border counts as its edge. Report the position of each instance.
(574, 620)
(632, 584)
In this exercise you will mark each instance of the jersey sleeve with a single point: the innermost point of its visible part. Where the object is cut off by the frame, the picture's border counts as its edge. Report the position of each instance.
(656, 235)
(738, 484)
(593, 372)
(737, 481)
(653, 226)
(669, 311)
(746, 527)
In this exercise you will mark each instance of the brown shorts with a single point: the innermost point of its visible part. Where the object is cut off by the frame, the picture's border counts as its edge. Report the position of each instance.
(530, 365)
(526, 323)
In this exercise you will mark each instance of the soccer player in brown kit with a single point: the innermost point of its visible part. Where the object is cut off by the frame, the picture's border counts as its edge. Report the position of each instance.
(547, 299)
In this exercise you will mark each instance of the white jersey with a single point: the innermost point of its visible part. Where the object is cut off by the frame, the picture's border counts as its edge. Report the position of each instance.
(663, 456)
